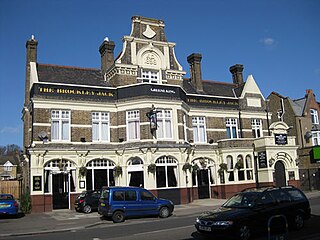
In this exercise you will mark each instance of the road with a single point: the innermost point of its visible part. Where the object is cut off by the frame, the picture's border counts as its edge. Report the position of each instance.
(175, 227)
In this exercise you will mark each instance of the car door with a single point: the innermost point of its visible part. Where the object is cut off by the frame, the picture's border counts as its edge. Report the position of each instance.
(265, 207)
(95, 196)
(148, 201)
(131, 204)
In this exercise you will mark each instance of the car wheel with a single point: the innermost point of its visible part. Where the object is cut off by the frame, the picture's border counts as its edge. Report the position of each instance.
(164, 212)
(298, 221)
(118, 217)
(244, 232)
(87, 209)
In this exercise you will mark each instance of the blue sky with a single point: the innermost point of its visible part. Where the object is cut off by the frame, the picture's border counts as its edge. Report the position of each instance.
(278, 41)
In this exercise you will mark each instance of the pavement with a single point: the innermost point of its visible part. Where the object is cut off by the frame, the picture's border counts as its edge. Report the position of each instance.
(68, 220)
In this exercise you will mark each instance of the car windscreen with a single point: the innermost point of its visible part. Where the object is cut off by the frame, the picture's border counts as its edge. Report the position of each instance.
(241, 201)
(6, 197)
(82, 195)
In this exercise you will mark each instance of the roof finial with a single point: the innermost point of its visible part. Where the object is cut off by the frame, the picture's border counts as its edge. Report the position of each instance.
(106, 39)
(32, 37)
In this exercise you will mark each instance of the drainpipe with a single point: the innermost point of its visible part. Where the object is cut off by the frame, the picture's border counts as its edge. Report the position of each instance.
(240, 125)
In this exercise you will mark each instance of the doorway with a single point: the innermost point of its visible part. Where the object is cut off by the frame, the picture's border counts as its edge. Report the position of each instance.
(60, 191)
(203, 183)
(280, 174)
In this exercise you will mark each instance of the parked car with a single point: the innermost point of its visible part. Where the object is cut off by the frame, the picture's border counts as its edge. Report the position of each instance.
(119, 203)
(252, 211)
(87, 201)
(8, 205)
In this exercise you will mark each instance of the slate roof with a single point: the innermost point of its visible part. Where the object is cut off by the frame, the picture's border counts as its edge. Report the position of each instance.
(70, 75)
(298, 106)
(214, 88)
(93, 77)
(14, 160)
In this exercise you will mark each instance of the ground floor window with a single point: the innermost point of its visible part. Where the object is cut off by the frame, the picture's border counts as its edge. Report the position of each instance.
(166, 172)
(135, 172)
(99, 174)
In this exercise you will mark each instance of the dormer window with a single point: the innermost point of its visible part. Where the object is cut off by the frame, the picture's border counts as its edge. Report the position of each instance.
(150, 76)
(314, 116)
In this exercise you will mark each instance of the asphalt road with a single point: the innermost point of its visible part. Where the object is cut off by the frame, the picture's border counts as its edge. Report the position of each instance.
(172, 228)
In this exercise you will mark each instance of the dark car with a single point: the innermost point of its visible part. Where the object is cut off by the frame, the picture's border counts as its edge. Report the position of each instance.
(8, 205)
(87, 201)
(252, 211)
(119, 203)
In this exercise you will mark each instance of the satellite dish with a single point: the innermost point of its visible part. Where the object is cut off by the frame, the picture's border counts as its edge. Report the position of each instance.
(308, 135)
(43, 136)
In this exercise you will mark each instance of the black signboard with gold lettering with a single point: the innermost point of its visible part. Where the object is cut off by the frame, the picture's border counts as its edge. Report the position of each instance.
(133, 91)
(71, 92)
(281, 139)
(36, 183)
(262, 159)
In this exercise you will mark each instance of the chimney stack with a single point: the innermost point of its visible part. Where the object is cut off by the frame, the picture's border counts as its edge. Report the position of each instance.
(31, 46)
(309, 91)
(194, 61)
(236, 71)
(107, 54)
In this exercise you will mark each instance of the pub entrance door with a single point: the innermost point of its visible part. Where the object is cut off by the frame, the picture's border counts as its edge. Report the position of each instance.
(203, 183)
(280, 174)
(60, 191)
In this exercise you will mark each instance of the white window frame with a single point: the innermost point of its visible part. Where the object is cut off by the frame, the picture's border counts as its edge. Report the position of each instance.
(314, 116)
(60, 117)
(133, 125)
(232, 123)
(256, 125)
(101, 119)
(199, 129)
(150, 76)
(164, 119)
(316, 138)
(248, 166)
(168, 161)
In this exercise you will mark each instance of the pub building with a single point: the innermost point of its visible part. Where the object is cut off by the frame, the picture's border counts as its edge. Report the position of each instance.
(137, 121)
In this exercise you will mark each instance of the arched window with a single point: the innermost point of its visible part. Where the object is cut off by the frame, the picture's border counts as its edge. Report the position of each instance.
(249, 168)
(99, 174)
(59, 166)
(135, 172)
(240, 167)
(166, 172)
(230, 168)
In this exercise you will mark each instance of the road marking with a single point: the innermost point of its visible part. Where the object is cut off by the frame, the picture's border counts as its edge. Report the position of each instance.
(163, 230)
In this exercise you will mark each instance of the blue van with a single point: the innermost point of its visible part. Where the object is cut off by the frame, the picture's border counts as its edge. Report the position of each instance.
(119, 203)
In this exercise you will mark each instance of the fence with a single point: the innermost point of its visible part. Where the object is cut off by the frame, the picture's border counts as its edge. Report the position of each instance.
(11, 187)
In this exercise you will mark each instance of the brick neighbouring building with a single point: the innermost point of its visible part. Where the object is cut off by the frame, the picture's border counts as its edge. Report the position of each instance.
(88, 128)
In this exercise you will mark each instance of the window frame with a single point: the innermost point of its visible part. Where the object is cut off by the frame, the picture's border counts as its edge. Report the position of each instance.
(135, 120)
(199, 133)
(314, 116)
(167, 162)
(315, 138)
(231, 125)
(256, 126)
(60, 120)
(100, 122)
(147, 76)
(162, 120)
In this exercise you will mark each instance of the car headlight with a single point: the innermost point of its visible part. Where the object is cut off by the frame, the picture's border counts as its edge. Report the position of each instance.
(197, 220)
(222, 223)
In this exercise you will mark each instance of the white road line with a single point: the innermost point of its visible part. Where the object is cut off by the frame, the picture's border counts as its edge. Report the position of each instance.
(164, 230)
